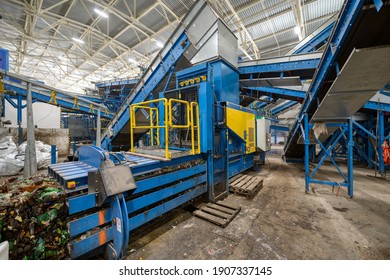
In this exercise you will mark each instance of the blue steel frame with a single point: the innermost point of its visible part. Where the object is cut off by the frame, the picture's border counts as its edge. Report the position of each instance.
(65, 102)
(377, 106)
(156, 77)
(19, 107)
(279, 128)
(331, 53)
(120, 82)
(113, 100)
(191, 181)
(319, 38)
(283, 107)
(365, 143)
(309, 176)
(158, 193)
(281, 92)
(280, 67)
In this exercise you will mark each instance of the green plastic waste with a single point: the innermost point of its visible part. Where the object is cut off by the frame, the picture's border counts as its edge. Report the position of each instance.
(47, 217)
(40, 249)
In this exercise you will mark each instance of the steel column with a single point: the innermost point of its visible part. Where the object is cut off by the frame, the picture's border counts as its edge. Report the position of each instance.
(381, 139)
(30, 158)
(19, 119)
(98, 129)
(306, 158)
(53, 154)
(350, 157)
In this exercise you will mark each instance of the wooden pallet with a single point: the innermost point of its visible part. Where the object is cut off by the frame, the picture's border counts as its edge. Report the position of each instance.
(220, 213)
(246, 185)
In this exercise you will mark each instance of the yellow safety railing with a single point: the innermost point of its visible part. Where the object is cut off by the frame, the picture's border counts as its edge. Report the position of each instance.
(154, 122)
(194, 105)
(187, 108)
(151, 126)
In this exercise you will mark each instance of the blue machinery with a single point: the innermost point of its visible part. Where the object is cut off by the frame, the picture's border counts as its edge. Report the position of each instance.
(186, 141)
(350, 33)
(226, 147)
(15, 92)
(178, 152)
(17, 84)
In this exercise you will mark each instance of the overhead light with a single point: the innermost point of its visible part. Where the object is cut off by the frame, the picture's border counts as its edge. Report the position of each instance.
(78, 40)
(100, 13)
(132, 60)
(158, 43)
(297, 30)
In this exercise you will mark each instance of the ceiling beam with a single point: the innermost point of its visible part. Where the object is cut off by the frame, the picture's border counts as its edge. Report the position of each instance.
(72, 2)
(29, 26)
(291, 28)
(247, 36)
(298, 16)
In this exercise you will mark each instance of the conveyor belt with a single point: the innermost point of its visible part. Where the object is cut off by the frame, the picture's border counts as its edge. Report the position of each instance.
(186, 45)
(302, 65)
(311, 42)
(77, 171)
(359, 26)
(42, 93)
(366, 71)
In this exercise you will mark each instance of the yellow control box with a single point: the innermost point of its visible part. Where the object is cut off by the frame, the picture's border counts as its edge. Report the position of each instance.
(243, 124)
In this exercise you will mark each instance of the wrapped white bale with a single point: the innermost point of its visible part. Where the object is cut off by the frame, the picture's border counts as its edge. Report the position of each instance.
(4, 250)
(7, 146)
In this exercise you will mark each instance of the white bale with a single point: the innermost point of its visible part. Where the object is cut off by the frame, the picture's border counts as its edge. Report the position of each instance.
(7, 146)
(4, 250)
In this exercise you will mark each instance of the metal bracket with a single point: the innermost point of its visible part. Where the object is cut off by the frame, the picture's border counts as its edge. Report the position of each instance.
(110, 180)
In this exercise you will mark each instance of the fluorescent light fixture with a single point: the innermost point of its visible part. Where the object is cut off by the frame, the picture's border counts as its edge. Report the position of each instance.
(100, 13)
(158, 43)
(132, 60)
(78, 40)
(297, 30)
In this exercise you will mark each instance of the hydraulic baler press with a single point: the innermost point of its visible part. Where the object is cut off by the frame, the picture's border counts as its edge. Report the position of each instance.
(185, 140)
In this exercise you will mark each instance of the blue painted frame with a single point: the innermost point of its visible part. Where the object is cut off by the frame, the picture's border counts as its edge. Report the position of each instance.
(309, 176)
(347, 18)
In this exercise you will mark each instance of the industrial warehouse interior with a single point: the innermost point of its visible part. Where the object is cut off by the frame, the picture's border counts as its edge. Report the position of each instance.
(194, 130)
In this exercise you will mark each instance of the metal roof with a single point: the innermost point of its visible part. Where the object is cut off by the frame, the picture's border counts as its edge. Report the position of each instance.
(40, 34)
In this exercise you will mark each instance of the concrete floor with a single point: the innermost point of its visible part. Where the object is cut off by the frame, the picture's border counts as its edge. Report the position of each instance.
(281, 222)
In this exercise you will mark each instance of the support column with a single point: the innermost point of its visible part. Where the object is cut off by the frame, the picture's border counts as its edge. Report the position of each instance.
(350, 158)
(306, 157)
(19, 119)
(370, 152)
(53, 154)
(30, 159)
(210, 176)
(98, 129)
(381, 139)
(1, 105)
(161, 119)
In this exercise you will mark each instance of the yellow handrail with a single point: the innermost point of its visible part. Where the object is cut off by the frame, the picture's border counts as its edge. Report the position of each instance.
(191, 108)
(193, 126)
(171, 101)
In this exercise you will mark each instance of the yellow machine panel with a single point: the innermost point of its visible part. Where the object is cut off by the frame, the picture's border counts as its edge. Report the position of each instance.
(243, 124)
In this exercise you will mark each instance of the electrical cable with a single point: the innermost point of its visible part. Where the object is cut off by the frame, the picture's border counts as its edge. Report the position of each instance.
(45, 116)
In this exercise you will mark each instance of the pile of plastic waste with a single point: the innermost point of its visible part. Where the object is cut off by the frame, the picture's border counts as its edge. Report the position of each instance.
(12, 156)
(33, 218)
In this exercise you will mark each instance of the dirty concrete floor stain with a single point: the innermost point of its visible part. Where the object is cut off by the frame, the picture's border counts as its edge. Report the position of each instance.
(281, 222)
